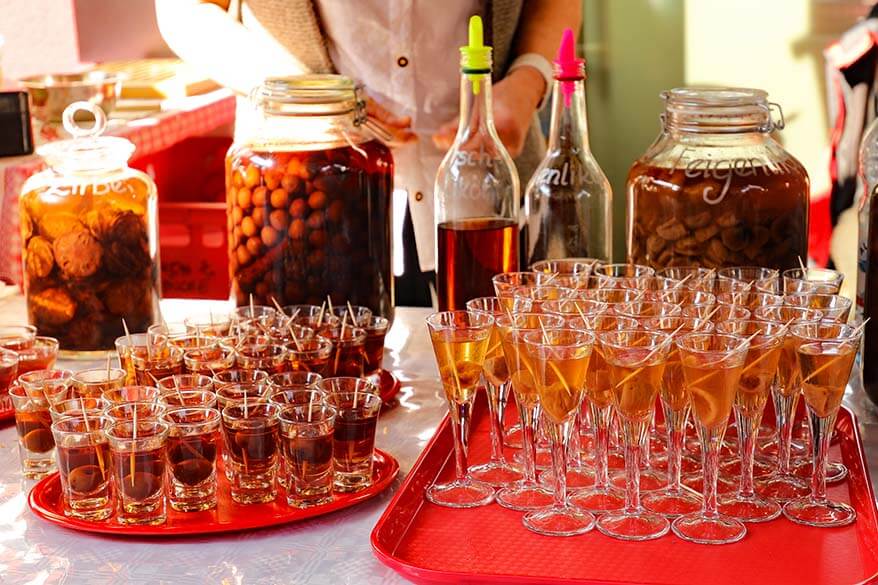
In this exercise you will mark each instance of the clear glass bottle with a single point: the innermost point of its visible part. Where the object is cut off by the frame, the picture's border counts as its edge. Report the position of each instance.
(716, 189)
(90, 239)
(476, 191)
(568, 201)
(309, 199)
(867, 258)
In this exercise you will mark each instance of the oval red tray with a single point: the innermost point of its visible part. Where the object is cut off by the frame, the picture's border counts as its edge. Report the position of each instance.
(45, 502)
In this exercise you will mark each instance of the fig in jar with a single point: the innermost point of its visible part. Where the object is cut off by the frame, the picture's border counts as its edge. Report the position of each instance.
(716, 189)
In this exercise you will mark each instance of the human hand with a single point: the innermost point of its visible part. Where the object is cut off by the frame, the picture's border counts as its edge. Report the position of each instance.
(516, 97)
(398, 127)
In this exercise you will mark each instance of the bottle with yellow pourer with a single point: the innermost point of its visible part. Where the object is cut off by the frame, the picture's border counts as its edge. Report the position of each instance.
(476, 191)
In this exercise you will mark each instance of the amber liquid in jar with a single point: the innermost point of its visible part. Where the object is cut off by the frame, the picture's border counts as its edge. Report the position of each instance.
(715, 217)
(307, 224)
(88, 262)
(470, 253)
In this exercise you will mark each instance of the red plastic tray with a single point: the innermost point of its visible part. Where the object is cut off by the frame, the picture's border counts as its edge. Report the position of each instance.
(45, 502)
(430, 544)
(388, 386)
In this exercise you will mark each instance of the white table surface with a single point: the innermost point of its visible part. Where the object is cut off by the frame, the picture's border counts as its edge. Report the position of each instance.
(333, 549)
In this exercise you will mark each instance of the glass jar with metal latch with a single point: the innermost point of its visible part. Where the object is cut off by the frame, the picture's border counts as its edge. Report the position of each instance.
(309, 198)
(716, 189)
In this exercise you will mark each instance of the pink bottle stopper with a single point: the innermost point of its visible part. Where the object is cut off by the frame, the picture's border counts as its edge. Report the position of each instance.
(569, 67)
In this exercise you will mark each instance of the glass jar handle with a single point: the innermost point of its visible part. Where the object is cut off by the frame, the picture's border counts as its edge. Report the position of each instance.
(75, 128)
(362, 118)
(781, 122)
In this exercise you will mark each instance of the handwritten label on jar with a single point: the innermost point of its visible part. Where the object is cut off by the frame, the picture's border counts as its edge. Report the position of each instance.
(94, 189)
(724, 170)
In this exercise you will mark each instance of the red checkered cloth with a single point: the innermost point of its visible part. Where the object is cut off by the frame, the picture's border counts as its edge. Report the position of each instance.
(193, 116)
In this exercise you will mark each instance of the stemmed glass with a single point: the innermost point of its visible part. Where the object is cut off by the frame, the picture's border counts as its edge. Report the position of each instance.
(460, 341)
(754, 388)
(525, 494)
(497, 471)
(675, 499)
(783, 484)
(603, 496)
(636, 360)
(560, 359)
(826, 354)
(712, 365)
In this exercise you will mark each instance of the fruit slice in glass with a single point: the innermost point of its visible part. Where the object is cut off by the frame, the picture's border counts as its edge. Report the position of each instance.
(712, 365)
(754, 388)
(826, 354)
(636, 360)
(525, 494)
(560, 359)
(460, 341)
(497, 471)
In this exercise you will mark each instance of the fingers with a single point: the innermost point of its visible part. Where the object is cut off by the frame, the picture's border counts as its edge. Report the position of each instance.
(385, 116)
(444, 136)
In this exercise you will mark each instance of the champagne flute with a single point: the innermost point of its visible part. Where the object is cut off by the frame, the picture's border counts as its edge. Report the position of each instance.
(712, 365)
(497, 471)
(826, 354)
(460, 342)
(560, 359)
(636, 360)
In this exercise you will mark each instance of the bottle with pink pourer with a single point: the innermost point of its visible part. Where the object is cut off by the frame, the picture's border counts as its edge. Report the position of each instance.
(568, 201)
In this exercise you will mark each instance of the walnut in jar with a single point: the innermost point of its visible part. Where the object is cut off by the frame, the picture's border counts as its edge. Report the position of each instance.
(78, 254)
(39, 258)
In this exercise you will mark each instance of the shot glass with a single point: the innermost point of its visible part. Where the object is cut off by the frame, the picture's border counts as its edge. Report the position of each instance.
(834, 307)
(209, 324)
(193, 441)
(53, 385)
(162, 333)
(33, 423)
(8, 373)
(349, 352)
(94, 382)
(208, 361)
(184, 382)
(126, 411)
(632, 276)
(357, 404)
(75, 407)
(307, 444)
(237, 393)
(251, 435)
(268, 357)
(311, 355)
(316, 317)
(127, 345)
(376, 331)
(17, 337)
(41, 355)
(236, 376)
(150, 367)
(356, 315)
(812, 280)
(294, 380)
(686, 277)
(135, 393)
(85, 467)
(139, 455)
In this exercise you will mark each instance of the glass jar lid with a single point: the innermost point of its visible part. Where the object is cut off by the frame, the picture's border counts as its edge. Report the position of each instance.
(722, 110)
(308, 95)
(87, 151)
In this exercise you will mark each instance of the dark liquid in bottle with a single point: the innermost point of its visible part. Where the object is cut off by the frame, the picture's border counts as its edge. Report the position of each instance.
(35, 430)
(354, 438)
(149, 468)
(84, 469)
(192, 457)
(471, 252)
(867, 297)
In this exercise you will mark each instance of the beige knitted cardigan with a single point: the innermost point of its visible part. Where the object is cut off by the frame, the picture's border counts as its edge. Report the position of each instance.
(296, 26)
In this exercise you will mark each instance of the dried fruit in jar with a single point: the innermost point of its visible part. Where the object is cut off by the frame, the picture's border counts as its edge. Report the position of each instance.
(78, 253)
(53, 307)
(39, 258)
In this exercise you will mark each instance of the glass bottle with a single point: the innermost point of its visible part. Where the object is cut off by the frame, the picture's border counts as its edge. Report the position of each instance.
(716, 189)
(568, 201)
(308, 190)
(89, 230)
(476, 191)
(867, 258)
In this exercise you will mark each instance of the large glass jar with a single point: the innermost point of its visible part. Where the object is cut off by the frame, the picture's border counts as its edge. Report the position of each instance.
(716, 189)
(89, 234)
(309, 199)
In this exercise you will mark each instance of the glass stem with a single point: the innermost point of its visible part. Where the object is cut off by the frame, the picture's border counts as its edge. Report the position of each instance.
(496, 422)
(574, 450)
(785, 407)
(460, 417)
(526, 417)
(634, 434)
(559, 434)
(748, 428)
(675, 421)
(820, 434)
(600, 420)
(502, 400)
(711, 441)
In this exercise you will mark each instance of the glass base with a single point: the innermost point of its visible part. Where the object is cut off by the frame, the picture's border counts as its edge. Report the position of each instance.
(639, 525)
(819, 513)
(703, 530)
(524, 497)
(672, 503)
(559, 521)
(495, 473)
(512, 437)
(461, 493)
(835, 471)
(599, 500)
(578, 478)
(782, 488)
(650, 480)
(749, 508)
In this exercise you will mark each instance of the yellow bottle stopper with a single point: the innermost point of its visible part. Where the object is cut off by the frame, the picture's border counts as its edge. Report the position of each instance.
(475, 57)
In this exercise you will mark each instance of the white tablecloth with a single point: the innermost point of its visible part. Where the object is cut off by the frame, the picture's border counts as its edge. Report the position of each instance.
(333, 549)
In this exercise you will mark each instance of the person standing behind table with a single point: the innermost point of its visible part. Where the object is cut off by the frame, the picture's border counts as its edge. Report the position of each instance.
(405, 54)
